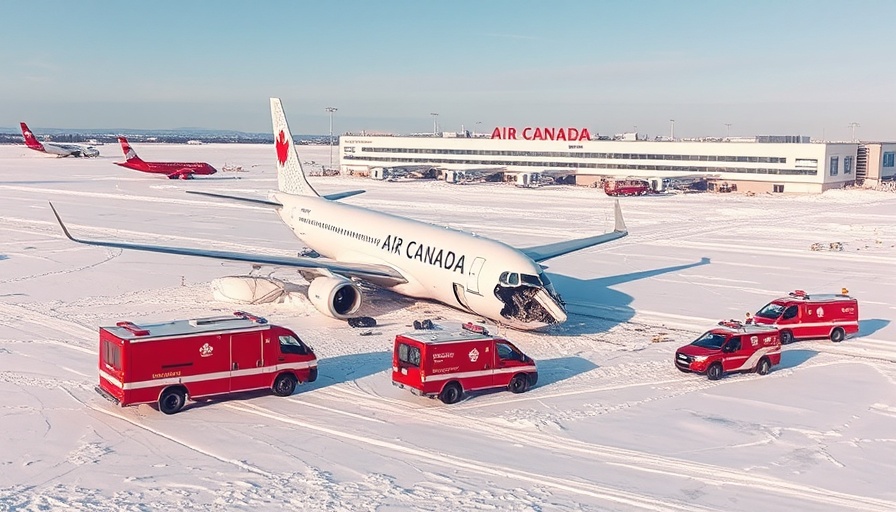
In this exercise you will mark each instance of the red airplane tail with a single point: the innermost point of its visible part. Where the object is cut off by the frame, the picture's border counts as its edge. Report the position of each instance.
(30, 140)
(129, 154)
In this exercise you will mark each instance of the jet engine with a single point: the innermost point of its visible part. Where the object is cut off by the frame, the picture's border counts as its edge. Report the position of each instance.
(335, 296)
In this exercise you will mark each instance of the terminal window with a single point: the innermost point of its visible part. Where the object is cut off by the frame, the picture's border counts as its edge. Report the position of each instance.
(835, 164)
(889, 158)
(847, 165)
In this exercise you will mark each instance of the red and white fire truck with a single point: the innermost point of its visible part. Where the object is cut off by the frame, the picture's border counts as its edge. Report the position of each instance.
(448, 363)
(731, 347)
(166, 363)
(626, 187)
(803, 316)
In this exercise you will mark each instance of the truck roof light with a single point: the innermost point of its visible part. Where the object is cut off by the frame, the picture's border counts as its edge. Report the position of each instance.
(133, 328)
(250, 316)
(478, 329)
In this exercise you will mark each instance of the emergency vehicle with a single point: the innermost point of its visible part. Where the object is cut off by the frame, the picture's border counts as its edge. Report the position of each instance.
(166, 363)
(627, 187)
(731, 347)
(446, 364)
(803, 316)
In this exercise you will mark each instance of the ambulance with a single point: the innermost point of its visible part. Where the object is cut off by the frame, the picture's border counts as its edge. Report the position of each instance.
(803, 316)
(167, 363)
(731, 347)
(448, 363)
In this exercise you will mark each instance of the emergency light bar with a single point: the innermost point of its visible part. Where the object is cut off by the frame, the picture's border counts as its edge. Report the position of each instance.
(478, 329)
(133, 328)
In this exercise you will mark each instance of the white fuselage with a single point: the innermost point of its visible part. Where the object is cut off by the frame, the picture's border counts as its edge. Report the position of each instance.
(453, 267)
(69, 149)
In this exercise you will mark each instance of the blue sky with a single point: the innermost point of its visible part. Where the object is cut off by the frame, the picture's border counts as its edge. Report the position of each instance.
(769, 67)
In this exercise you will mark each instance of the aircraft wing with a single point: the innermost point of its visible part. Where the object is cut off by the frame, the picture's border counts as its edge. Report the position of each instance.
(377, 273)
(331, 197)
(548, 251)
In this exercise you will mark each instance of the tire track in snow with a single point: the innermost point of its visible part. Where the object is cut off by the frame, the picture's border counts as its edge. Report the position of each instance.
(622, 457)
(450, 461)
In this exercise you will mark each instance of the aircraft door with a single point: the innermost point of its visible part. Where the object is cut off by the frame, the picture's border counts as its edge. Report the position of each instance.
(473, 276)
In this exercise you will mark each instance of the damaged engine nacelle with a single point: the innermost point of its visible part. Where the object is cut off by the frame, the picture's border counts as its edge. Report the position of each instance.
(335, 296)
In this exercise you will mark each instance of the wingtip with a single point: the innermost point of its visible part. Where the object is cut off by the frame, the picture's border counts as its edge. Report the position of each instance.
(620, 222)
(61, 224)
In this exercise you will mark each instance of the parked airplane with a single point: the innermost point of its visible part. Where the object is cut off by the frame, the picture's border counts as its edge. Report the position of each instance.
(413, 258)
(55, 148)
(174, 170)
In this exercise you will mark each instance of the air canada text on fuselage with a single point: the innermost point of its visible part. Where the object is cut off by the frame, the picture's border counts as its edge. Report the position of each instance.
(413, 250)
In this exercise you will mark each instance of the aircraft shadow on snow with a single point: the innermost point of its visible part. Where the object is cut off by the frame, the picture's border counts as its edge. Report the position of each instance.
(592, 304)
(871, 326)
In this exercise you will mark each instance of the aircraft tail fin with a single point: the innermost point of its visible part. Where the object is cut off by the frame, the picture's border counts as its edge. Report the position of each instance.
(290, 175)
(30, 140)
(129, 154)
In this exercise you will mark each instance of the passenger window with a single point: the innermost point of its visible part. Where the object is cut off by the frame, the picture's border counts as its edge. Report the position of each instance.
(291, 345)
(507, 353)
(112, 354)
(733, 344)
(789, 313)
(408, 354)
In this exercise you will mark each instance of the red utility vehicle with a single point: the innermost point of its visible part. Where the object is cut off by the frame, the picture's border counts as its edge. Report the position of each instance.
(731, 347)
(448, 363)
(168, 362)
(803, 316)
(629, 187)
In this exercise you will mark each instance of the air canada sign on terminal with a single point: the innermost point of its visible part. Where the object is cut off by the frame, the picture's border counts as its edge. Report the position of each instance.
(530, 133)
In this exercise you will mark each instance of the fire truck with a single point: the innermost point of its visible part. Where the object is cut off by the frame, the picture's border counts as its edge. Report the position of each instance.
(627, 187)
(730, 347)
(803, 316)
(166, 363)
(446, 364)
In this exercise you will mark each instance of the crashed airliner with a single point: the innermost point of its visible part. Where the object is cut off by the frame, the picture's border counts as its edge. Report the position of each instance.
(466, 271)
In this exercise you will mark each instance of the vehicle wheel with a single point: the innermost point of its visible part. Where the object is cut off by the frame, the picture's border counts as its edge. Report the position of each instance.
(714, 372)
(451, 393)
(764, 366)
(284, 384)
(519, 383)
(786, 337)
(172, 400)
(837, 335)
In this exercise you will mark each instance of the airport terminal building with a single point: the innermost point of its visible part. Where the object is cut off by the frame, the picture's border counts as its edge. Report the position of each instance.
(783, 164)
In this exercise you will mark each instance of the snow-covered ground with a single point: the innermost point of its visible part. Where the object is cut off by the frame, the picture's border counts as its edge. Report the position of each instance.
(611, 425)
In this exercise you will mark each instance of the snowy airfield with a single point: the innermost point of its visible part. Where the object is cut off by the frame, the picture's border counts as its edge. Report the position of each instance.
(611, 425)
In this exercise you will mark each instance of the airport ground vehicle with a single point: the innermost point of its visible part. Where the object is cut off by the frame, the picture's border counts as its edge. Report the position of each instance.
(803, 316)
(627, 187)
(448, 363)
(167, 363)
(730, 347)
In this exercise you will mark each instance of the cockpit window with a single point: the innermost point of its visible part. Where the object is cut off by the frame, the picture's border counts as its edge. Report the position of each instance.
(530, 280)
(509, 279)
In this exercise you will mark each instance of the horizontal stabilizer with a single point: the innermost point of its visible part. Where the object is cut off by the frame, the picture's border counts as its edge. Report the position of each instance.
(264, 202)
(548, 251)
(342, 195)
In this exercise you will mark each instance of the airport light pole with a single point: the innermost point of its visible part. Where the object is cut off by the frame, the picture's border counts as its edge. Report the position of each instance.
(672, 130)
(435, 115)
(331, 110)
(854, 125)
(727, 130)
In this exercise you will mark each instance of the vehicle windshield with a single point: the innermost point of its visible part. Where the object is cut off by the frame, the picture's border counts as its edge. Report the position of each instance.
(771, 311)
(710, 340)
